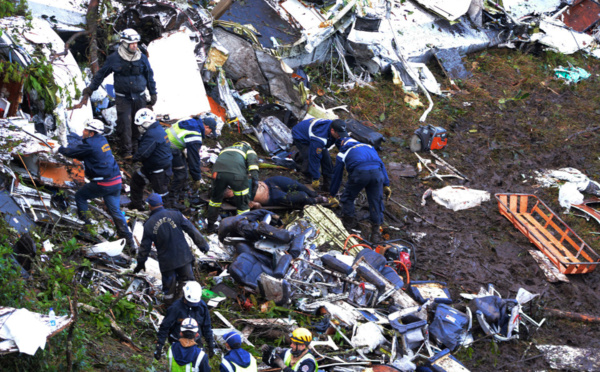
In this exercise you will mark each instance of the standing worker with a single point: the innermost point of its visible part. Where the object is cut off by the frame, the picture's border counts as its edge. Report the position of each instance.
(365, 171)
(155, 154)
(297, 358)
(184, 354)
(188, 135)
(231, 169)
(132, 75)
(103, 172)
(165, 229)
(190, 306)
(236, 359)
(313, 138)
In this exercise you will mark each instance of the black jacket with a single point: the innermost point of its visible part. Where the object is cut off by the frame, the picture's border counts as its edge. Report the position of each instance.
(177, 312)
(154, 150)
(165, 228)
(131, 78)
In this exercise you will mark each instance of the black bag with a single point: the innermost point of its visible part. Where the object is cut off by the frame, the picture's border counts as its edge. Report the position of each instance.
(280, 112)
(364, 134)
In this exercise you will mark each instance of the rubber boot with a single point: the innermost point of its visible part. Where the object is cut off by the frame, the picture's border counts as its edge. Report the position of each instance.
(349, 222)
(375, 234)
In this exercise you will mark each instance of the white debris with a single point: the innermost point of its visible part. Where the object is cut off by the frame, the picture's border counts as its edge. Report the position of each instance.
(458, 198)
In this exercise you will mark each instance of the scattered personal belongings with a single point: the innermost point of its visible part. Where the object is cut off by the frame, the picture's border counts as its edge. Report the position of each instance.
(572, 75)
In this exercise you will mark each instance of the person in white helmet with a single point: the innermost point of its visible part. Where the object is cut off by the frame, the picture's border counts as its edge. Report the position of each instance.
(104, 175)
(190, 306)
(154, 152)
(184, 354)
(132, 75)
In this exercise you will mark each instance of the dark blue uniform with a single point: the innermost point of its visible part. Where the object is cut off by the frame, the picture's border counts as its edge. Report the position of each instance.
(165, 228)
(131, 78)
(313, 138)
(365, 171)
(154, 152)
(176, 313)
(105, 180)
(185, 134)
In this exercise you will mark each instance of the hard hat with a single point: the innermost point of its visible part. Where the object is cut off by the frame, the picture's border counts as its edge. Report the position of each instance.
(129, 35)
(144, 116)
(94, 125)
(189, 324)
(192, 292)
(301, 336)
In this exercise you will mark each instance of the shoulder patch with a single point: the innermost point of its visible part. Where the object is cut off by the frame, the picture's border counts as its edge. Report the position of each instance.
(305, 368)
(319, 150)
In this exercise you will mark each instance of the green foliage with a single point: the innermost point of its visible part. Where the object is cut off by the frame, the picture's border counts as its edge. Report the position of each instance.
(12, 8)
(70, 246)
(12, 285)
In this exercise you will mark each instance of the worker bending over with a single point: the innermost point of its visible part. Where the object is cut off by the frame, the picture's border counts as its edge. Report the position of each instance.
(236, 359)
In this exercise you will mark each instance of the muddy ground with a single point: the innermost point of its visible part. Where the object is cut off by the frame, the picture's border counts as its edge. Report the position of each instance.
(497, 145)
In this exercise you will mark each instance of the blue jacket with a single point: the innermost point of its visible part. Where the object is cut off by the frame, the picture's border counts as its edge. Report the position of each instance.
(180, 310)
(355, 155)
(165, 228)
(97, 157)
(131, 78)
(189, 134)
(316, 134)
(154, 150)
(187, 355)
(238, 356)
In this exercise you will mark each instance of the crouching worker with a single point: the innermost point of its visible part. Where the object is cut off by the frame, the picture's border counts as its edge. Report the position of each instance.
(297, 358)
(190, 306)
(165, 229)
(236, 359)
(185, 355)
(104, 174)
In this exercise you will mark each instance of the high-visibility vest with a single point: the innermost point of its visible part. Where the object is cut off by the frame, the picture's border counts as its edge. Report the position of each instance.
(288, 359)
(177, 136)
(174, 367)
(232, 367)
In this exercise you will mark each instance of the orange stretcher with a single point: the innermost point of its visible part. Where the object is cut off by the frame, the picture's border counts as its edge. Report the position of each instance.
(549, 233)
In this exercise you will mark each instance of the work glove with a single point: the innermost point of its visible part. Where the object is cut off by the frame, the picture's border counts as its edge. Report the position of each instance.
(87, 92)
(158, 352)
(153, 99)
(316, 184)
(387, 191)
(267, 353)
(333, 202)
(140, 266)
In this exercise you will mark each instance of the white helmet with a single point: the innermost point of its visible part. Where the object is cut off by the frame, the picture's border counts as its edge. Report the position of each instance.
(144, 116)
(129, 35)
(189, 324)
(192, 292)
(94, 125)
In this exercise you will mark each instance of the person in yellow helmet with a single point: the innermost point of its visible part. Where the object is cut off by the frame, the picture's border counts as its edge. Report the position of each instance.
(297, 358)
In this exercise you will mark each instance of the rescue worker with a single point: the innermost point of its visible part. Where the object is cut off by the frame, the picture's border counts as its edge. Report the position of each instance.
(297, 358)
(231, 169)
(282, 191)
(190, 306)
(132, 75)
(154, 152)
(165, 229)
(104, 174)
(313, 138)
(188, 135)
(365, 171)
(236, 359)
(185, 355)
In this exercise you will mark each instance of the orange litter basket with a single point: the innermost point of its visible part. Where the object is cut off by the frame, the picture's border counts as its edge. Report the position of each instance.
(549, 233)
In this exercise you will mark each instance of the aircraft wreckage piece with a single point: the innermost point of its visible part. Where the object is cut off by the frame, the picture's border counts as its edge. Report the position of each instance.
(586, 207)
(330, 229)
(551, 271)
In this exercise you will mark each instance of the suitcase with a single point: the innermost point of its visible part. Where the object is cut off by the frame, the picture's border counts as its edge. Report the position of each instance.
(364, 134)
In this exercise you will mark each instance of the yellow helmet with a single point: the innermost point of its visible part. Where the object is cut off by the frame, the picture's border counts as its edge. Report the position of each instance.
(301, 336)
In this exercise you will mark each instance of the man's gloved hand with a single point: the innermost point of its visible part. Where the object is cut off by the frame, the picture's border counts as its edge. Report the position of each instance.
(86, 92)
(140, 266)
(334, 203)
(279, 362)
(153, 99)
(316, 184)
(387, 191)
(266, 353)
(196, 185)
(158, 352)
(211, 352)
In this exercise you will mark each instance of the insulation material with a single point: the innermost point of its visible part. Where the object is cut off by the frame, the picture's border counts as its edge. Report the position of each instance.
(458, 198)
(174, 98)
(368, 335)
(569, 194)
